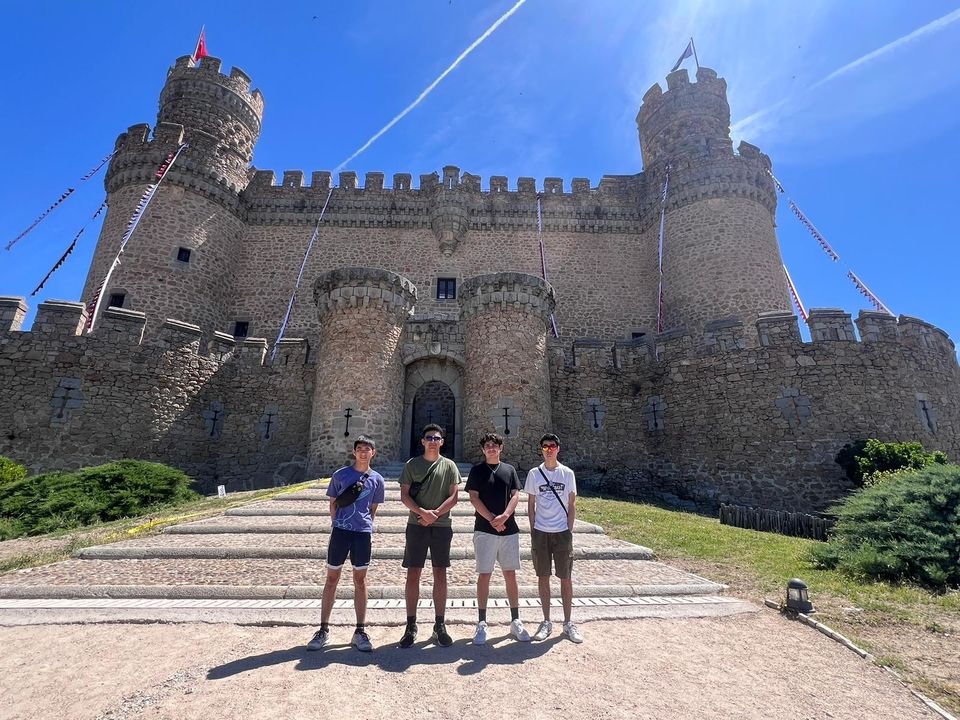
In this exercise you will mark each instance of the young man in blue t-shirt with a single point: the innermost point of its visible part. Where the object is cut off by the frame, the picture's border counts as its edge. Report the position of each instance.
(350, 536)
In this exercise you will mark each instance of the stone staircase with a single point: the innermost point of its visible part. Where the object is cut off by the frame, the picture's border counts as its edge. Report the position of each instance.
(273, 552)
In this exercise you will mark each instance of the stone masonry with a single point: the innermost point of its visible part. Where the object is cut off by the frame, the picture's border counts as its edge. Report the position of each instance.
(428, 296)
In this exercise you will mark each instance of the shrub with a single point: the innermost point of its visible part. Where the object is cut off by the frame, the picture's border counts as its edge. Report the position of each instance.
(864, 458)
(11, 471)
(905, 529)
(63, 500)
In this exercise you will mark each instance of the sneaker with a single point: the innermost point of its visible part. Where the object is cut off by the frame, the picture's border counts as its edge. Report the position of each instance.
(319, 640)
(361, 641)
(543, 632)
(570, 630)
(409, 636)
(519, 631)
(480, 635)
(441, 635)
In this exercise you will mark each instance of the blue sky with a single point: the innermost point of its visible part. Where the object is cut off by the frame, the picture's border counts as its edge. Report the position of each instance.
(855, 102)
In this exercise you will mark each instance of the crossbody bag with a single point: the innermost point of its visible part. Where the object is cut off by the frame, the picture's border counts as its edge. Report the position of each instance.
(349, 496)
(416, 487)
(550, 485)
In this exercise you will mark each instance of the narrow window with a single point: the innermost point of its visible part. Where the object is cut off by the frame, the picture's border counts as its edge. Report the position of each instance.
(241, 328)
(183, 255)
(636, 335)
(116, 300)
(446, 288)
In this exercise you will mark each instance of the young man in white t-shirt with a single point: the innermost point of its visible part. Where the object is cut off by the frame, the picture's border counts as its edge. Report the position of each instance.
(552, 508)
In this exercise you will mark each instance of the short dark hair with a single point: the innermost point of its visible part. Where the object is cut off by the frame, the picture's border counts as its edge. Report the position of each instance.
(364, 440)
(550, 437)
(491, 437)
(432, 427)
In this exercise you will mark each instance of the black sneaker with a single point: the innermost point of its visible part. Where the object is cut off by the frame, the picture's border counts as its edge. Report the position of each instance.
(441, 635)
(409, 636)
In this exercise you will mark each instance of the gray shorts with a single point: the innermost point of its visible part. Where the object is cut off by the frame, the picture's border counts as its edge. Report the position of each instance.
(490, 549)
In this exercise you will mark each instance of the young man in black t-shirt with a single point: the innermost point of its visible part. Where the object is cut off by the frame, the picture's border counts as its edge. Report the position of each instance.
(494, 489)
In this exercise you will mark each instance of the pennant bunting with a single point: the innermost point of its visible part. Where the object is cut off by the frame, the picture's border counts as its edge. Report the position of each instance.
(795, 295)
(40, 219)
(69, 191)
(63, 258)
(138, 213)
(865, 291)
(296, 285)
(663, 211)
(813, 231)
(543, 260)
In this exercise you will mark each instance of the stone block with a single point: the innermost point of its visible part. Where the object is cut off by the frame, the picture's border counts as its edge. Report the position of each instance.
(12, 312)
(58, 317)
(124, 327)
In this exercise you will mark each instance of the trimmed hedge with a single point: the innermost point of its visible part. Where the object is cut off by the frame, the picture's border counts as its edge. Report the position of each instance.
(64, 500)
(905, 529)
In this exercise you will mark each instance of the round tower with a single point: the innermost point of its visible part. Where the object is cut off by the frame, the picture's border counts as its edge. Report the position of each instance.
(181, 260)
(360, 375)
(507, 375)
(720, 251)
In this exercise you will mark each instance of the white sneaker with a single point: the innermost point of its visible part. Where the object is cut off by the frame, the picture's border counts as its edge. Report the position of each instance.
(570, 630)
(518, 631)
(361, 641)
(543, 632)
(480, 635)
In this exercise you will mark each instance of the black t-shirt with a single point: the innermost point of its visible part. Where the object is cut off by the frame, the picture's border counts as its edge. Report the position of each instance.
(494, 490)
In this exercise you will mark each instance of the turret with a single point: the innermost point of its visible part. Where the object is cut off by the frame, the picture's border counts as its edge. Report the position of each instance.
(180, 262)
(720, 252)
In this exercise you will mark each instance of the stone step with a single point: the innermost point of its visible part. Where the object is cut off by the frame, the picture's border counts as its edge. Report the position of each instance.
(391, 494)
(304, 578)
(291, 540)
(108, 552)
(309, 508)
(298, 524)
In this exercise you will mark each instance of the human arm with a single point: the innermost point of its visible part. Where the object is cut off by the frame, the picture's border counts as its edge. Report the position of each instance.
(424, 517)
(571, 510)
(333, 509)
(532, 509)
(373, 511)
(481, 508)
(499, 523)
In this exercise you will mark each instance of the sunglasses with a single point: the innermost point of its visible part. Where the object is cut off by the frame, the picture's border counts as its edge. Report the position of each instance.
(433, 438)
(549, 446)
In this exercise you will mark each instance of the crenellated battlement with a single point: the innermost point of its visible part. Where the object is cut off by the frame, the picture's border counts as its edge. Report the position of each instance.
(518, 291)
(205, 79)
(832, 330)
(60, 327)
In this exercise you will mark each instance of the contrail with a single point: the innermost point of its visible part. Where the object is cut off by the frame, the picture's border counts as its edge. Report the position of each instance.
(930, 27)
(489, 31)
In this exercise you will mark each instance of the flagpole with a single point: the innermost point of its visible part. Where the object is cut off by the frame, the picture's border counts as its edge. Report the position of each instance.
(695, 58)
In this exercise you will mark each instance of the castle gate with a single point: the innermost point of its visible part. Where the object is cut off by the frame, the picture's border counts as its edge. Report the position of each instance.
(433, 392)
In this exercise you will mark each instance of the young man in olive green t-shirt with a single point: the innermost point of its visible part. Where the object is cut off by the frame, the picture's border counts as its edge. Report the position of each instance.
(436, 482)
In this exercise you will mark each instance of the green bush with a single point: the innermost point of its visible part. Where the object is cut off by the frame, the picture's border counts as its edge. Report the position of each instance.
(864, 458)
(64, 500)
(10, 471)
(905, 529)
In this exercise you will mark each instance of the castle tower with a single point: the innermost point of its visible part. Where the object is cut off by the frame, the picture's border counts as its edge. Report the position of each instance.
(180, 262)
(720, 252)
(507, 377)
(360, 375)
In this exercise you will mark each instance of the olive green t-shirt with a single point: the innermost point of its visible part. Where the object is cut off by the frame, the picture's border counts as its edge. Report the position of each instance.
(436, 489)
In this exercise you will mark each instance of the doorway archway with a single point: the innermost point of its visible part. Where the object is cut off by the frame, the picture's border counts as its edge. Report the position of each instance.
(433, 392)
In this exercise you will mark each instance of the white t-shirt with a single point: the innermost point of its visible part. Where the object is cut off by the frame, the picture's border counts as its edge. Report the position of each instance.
(550, 516)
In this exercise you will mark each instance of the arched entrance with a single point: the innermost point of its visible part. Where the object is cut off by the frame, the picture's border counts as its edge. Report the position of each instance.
(433, 394)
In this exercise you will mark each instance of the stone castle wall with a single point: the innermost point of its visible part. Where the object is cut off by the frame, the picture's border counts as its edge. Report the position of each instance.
(750, 414)
(74, 399)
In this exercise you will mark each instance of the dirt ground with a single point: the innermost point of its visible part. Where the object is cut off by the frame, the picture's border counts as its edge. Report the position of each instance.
(753, 665)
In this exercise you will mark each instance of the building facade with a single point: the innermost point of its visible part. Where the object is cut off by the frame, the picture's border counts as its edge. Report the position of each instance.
(428, 304)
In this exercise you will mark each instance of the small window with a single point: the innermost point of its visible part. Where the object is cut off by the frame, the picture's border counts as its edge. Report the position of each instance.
(116, 300)
(183, 255)
(446, 288)
(241, 329)
(636, 335)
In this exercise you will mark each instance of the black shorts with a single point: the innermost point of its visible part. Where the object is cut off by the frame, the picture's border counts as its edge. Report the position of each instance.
(348, 543)
(433, 538)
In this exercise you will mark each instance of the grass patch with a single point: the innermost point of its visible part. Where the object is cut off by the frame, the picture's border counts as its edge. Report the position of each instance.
(60, 545)
(884, 618)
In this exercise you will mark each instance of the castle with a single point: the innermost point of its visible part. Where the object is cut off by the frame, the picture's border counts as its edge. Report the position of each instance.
(429, 303)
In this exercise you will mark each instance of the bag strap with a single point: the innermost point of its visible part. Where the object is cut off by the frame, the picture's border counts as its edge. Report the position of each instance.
(430, 471)
(550, 485)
